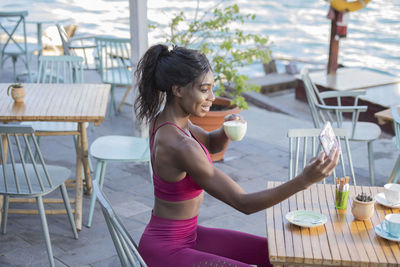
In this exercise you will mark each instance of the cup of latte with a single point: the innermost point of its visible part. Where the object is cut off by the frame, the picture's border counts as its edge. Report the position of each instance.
(235, 129)
(392, 193)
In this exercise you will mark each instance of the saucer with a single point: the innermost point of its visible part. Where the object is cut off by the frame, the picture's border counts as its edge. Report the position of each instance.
(306, 218)
(382, 233)
(380, 198)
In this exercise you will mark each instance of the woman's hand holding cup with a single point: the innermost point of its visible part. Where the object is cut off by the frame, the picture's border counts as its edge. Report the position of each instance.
(235, 127)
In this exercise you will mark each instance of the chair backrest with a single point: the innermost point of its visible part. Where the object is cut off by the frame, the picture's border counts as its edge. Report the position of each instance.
(304, 144)
(114, 60)
(20, 175)
(60, 69)
(124, 244)
(12, 23)
(396, 125)
(314, 99)
(65, 40)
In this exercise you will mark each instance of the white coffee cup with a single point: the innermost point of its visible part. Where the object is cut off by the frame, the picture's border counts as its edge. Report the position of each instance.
(392, 193)
(235, 129)
(391, 224)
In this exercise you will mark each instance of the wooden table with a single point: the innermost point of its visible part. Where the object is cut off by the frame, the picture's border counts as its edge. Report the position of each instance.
(341, 241)
(385, 116)
(79, 103)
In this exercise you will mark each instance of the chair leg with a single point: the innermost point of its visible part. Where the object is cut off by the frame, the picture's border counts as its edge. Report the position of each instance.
(124, 98)
(100, 169)
(45, 229)
(371, 163)
(5, 215)
(67, 205)
(114, 106)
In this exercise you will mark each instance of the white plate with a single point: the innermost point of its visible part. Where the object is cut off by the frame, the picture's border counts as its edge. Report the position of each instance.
(380, 198)
(382, 233)
(306, 218)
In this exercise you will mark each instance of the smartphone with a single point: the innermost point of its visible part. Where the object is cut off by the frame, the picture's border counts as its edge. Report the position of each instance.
(327, 138)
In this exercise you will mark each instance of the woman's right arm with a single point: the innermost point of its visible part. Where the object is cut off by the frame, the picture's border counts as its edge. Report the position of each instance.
(222, 187)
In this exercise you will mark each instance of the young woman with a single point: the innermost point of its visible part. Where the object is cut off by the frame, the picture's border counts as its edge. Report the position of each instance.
(179, 82)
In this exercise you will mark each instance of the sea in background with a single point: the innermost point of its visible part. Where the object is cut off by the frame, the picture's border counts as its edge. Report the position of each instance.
(296, 29)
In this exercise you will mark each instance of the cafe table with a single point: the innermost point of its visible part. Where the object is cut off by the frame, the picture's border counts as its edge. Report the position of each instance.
(341, 241)
(80, 103)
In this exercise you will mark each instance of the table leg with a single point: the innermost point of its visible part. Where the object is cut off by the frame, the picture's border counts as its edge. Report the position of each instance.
(79, 183)
(85, 158)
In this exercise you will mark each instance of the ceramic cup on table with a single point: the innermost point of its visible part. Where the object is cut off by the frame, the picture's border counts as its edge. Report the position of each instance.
(235, 129)
(392, 193)
(391, 224)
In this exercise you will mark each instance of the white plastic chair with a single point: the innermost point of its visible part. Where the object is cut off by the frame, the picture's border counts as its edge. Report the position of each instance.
(304, 144)
(360, 131)
(116, 148)
(30, 179)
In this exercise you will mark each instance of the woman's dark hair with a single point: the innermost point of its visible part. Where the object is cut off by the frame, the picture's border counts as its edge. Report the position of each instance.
(159, 69)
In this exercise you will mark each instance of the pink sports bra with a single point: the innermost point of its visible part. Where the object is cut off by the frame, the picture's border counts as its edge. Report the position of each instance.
(184, 189)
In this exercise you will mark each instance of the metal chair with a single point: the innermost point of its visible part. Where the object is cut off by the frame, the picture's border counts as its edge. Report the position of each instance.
(304, 144)
(13, 23)
(72, 45)
(30, 179)
(116, 148)
(126, 247)
(115, 65)
(396, 125)
(360, 131)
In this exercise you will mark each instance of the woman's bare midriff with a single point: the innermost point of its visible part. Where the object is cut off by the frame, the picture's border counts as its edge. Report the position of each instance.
(179, 210)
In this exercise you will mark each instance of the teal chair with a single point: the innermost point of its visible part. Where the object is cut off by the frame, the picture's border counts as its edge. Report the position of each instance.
(124, 244)
(30, 178)
(72, 45)
(304, 144)
(360, 131)
(12, 24)
(116, 148)
(114, 57)
(396, 125)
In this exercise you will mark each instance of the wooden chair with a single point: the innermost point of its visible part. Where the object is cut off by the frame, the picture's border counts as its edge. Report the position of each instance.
(321, 112)
(72, 45)
(126, 247)
(30, 179)
(115, 65)
(115, 148)
(13, 23)
(304, 144)
(396, 125)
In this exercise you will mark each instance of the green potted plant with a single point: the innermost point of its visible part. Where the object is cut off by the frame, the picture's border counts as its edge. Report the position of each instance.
(218, 34)
(17, 92)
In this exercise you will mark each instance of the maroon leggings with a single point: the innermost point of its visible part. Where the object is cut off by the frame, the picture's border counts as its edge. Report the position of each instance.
(175, 243)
